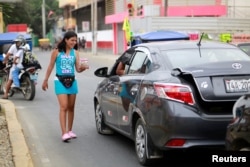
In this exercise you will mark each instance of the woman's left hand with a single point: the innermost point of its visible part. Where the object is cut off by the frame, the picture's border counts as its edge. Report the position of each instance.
(84, 66)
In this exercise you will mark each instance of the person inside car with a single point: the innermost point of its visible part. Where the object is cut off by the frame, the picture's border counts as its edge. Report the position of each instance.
(123, 61)
(120, 68)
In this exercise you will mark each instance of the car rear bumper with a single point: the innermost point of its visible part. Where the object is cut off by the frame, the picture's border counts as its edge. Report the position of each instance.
(195, 129)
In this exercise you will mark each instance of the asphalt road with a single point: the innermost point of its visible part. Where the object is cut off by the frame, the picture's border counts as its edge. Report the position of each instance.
(40, 123)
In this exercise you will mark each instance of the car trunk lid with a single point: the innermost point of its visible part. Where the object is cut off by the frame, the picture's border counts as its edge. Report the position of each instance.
(226, 81)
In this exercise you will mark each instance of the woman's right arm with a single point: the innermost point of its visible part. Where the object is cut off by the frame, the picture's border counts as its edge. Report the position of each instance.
(10, 51)
(49, 69)
(120, 69)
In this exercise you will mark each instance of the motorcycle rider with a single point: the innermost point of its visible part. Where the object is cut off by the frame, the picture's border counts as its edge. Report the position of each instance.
(25, 45)
(16, 51)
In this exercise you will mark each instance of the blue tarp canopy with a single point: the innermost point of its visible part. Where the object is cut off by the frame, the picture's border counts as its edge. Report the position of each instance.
(158, 36)
(8, 37)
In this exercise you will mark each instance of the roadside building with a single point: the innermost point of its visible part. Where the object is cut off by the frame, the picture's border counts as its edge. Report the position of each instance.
(105, 25)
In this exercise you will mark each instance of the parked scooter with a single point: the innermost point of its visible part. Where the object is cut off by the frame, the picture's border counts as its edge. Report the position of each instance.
(28, 80)
(238, 132)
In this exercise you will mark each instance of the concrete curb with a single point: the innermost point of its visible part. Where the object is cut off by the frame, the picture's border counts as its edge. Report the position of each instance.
(20, 149)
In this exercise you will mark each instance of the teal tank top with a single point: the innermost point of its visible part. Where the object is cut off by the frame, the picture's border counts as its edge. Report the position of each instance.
(65, 64)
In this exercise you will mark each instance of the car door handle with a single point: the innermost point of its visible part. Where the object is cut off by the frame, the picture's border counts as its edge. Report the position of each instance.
(134, 90)
(109, 87)
(110, 82)
(116, 90)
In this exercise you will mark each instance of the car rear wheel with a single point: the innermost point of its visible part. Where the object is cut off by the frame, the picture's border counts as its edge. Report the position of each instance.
(245, 149)
(99, 120)
(141, 145)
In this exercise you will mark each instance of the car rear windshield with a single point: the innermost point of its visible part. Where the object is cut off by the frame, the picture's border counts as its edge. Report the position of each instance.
(194, 57)
(245, 47)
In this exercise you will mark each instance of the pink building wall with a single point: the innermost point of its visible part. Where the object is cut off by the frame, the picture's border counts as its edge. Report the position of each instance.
(173, 11)
(219, 10)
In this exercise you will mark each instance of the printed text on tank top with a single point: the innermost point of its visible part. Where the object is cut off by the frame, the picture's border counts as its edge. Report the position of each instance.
(67, 64)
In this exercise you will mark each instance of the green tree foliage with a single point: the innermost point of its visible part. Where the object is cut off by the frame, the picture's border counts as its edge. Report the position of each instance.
(7, 10)
(30, 12)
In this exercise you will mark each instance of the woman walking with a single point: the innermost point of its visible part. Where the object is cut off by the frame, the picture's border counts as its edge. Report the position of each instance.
(67, 60)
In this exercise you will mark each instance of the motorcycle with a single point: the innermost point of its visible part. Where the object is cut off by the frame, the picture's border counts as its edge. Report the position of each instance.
(28, 80)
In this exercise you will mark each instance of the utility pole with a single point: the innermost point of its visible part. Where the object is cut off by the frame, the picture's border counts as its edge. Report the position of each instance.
(43, 19)
(1, 19)
(94, 26)
(165, 7)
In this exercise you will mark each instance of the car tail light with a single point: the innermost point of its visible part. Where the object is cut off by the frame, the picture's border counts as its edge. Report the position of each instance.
(177, 92)
(175, 142)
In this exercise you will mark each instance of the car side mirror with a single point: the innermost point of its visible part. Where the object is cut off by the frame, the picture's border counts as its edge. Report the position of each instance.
(101, 72)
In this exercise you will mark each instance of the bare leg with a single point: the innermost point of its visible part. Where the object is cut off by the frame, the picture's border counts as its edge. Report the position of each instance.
(63, 102)
(71, 108)
(8, 85)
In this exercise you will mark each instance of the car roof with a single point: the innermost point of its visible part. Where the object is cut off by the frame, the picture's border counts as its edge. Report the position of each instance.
(188, 44)
(244, 44)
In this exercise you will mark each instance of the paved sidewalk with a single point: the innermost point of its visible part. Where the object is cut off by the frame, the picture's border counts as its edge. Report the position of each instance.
(20, 152)
(11, 128)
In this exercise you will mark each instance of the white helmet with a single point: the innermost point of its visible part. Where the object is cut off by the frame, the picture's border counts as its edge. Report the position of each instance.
(20, 38)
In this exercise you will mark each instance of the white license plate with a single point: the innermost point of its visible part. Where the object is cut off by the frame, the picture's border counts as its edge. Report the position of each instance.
(242, 85)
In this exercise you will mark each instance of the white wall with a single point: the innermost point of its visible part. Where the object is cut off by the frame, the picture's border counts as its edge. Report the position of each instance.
(238, 8)
(105, 35)
(237, 2)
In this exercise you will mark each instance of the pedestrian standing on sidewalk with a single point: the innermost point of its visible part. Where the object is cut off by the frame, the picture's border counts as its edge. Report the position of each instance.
(67, 60)
(83, 43)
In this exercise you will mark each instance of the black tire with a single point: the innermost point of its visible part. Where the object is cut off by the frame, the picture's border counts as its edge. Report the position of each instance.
(4, 82)
(11, 92)
(141, 143)
(245, 149)
(3, 86)
(100, 125)
(239, 145)
(28, 87)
